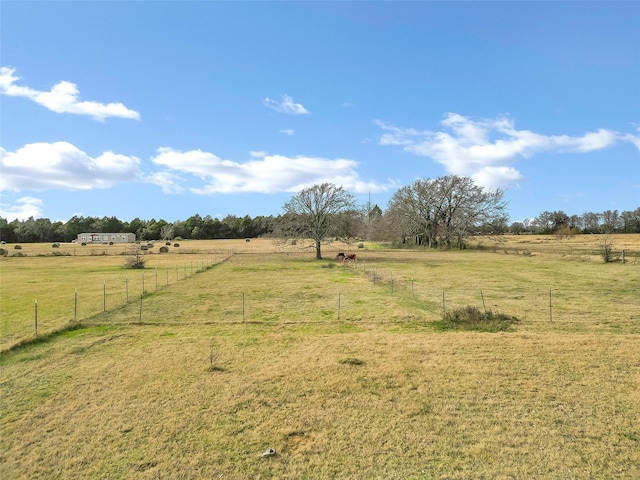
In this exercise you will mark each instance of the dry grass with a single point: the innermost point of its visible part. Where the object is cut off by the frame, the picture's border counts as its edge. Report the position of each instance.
(378, 393)
(142, 402)
(285, 284)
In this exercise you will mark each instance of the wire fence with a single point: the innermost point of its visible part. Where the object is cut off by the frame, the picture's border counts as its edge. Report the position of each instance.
(116, 291)
(421, 300)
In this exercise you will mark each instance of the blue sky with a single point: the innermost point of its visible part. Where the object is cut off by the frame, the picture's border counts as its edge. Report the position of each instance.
(170, 109)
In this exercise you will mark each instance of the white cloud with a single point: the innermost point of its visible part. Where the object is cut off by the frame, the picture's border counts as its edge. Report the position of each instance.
(62, 98)
(24, 208)
(263, 173)
(497, 176)
(288, 131)
(61, 165)
(287, 105)
(167, 181)
(485, 149)
(635, 139)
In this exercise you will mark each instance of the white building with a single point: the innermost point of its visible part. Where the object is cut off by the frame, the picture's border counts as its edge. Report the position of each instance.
(106, 238)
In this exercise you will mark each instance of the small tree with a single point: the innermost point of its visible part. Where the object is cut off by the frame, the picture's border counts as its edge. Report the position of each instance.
(316, 212)
(135, 258)
(605, 246)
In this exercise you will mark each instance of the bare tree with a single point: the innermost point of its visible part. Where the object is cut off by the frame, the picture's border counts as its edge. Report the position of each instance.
(446, 210)
(611, 221)
(591, 221)
(605, 245)
(317, 212)
(135, 258)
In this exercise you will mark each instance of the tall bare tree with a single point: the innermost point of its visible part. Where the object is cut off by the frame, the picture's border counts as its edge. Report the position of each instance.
(317, 212)
(446, 210)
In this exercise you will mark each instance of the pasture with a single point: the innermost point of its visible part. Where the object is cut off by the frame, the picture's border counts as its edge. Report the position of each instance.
(345, 371)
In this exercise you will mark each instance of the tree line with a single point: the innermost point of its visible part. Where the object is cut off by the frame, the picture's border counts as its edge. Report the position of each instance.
(437, 213)
(195, 227)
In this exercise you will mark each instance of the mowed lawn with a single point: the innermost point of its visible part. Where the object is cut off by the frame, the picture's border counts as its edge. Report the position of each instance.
(343, 370)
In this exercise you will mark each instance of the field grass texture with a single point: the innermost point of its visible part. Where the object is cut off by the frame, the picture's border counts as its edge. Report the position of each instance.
(342, 370)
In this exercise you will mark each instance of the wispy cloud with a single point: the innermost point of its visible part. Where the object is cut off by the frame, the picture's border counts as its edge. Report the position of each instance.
(263, 173)
(635, 139)
(288, 131)
(287, 105)
(24, 208)
(62, 98)
(61, 165)
(486, 149)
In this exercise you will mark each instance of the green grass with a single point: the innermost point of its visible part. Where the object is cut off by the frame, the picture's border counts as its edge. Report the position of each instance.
(383, 392)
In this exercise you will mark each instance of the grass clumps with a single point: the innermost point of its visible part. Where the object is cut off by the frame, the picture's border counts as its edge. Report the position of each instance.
(351, 361)
(470, 318)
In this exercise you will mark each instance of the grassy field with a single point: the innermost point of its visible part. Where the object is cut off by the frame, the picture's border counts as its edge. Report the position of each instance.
(344, 370)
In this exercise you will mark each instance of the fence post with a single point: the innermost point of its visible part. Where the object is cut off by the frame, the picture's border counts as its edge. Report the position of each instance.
(142, 283)
(156, 279)
(75, 305)
(126, 288)
(104, 296)
(444, 307)
(141, 297)
(36, 316)
(243, 307)
(411, 287)
(339, 305)
(483, 305)
(550, 307)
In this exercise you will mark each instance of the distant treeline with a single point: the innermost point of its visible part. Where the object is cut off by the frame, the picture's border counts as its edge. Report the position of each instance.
(373, 226)
(195, 227)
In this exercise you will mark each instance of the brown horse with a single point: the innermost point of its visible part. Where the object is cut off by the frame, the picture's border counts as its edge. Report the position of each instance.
(349, 257)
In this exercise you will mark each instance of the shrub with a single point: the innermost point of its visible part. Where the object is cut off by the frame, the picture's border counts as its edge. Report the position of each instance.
(164, 249)
(472, 319)
(18, 247)
(135, 262)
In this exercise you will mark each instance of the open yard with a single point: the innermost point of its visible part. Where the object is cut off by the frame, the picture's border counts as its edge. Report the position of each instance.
(345, 371)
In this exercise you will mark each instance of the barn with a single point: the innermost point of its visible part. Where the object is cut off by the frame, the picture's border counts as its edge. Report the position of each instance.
(106, 238)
